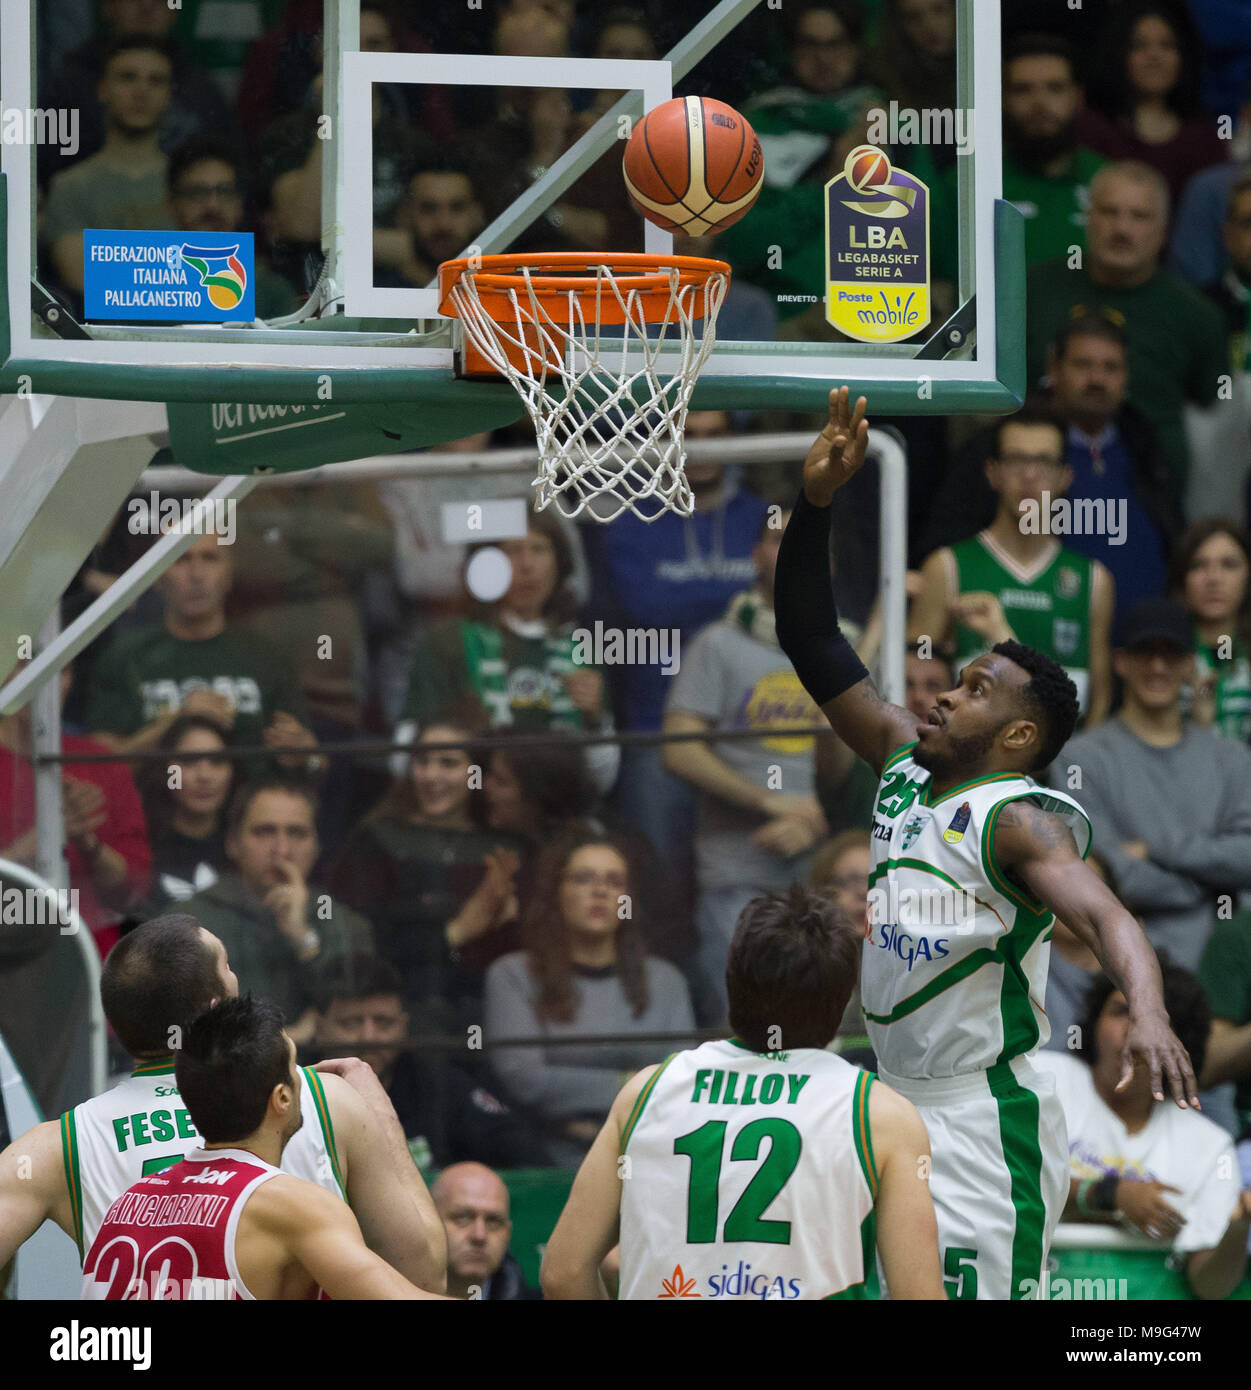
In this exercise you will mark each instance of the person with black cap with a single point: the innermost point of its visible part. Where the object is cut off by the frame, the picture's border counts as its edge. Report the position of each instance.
(1170, 802)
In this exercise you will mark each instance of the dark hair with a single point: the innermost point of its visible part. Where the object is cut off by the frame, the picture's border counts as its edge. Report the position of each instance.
(1113, 93)
(1089, 325)
(553, 779)
(245, 795)
(1185, 1002)
(357, 975)
(232, 1056)
(793, 963)
(135, 43)
(1050, 697)
(399, 801)
(1040, 46)
(561, 606)
(848, 12)
(1188, 545)
(547, 936)
(153, 779)
(1035, 411)
(158, 977)
(195, 150)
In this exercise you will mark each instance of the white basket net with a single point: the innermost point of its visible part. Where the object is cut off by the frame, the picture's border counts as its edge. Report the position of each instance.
(608, 402)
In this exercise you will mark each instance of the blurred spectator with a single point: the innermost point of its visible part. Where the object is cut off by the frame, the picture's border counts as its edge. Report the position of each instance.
(1177, 351)
(474, 1205)
(1225, 973)
(438, 217)
(222, 33)
(1147, 105)
(123, 185)
(1170, 803)
(1220, 439)
(927, 678)
(748, 314)
(584, 971)
(186, 804)
(432, 882)
(196, 105)
(277, 929)
(840, 869)
(1226, 43)
(1046, 170)
(1198, 249)
(1210, 573)
(672, 574)
(195, 663)
(1111, 451)
(530, 791)
(1167, 1172)
(915, 62)
(759, 816)
(517, 658)
(1015, 579)
(447, 1117)
(206, 194)
(106, 848)
(806, 129)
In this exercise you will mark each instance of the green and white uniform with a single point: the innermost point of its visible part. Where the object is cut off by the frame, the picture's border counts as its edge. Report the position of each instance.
(952, 982)
(1047, 604)
(1233, 689)
(141, 1126)
(749, 1175)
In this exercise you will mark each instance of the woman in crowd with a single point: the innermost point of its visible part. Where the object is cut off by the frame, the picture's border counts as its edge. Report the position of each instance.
(434, 883)
(517, 658)
(1149, 109)
(1210, 571)
(184, 800)
(585, 970)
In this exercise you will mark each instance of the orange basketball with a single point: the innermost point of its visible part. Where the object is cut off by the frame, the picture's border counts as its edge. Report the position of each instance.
(693, 165)
(867, 167)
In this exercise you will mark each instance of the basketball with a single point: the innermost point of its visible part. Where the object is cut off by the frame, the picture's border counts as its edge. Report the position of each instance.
(693, 165)
(867, 168)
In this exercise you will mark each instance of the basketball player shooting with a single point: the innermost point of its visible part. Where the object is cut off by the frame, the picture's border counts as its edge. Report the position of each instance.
(963, 837)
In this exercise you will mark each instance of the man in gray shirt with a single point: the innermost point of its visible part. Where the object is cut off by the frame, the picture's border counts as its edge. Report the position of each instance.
(1170, 803)
(759, 817)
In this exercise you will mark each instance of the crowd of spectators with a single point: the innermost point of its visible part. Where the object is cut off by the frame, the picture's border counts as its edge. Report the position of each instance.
(518, 873)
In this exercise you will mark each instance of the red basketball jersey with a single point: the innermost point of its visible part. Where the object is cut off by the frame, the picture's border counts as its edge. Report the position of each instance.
(172, 1235)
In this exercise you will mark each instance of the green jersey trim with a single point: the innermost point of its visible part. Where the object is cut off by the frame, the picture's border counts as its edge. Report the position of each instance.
(73, 1178)
(970, 965)
(642, 1098)
(861, 1131)
(897, 755)
(966, 786)
(868, 1244)
(313, 1082)
(162, 1066)
(920, 865)
(1018, 1135)
(1018, 893)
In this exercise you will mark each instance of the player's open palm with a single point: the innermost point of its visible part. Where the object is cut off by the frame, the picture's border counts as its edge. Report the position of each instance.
(1145, 1204)
(839, 451)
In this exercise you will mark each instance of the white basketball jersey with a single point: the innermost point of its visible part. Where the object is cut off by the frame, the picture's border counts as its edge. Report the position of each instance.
(749, 1175)
(954, 971)
(141, 1126)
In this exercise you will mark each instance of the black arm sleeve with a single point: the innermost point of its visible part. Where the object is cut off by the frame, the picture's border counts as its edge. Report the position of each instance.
(804, 611)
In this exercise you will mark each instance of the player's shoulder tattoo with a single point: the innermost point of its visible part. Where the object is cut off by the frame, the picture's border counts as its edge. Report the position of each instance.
(1031, 828)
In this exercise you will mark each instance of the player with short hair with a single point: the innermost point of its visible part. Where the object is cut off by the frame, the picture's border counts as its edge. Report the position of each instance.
(953, 1003)
(760, 1166)
(154, 982)
(226, 1222)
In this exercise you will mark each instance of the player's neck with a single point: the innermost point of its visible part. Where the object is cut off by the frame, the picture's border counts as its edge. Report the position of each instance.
(1006, 532)
(262, 1144)
(1161, 728)
(198, 629)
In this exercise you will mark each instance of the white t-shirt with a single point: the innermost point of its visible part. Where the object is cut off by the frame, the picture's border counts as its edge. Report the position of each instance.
(1178, 1147)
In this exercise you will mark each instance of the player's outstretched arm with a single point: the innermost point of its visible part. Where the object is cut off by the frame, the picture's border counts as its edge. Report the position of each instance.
(1040, 850)
(803, 599)
(307, 1224)
(384, 1187)
(32, 1188)
(590, 1223)
(907, 1229)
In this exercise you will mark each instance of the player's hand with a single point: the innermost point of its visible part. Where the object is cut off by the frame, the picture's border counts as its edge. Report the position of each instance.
(1151, 1043)
(211, 704)
(359, 1075)
(289, 902)
(1143, 1203)
(982, 611)
(839, 451)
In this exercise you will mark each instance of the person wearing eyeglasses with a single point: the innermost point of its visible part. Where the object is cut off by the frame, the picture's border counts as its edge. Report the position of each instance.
(1015, 579)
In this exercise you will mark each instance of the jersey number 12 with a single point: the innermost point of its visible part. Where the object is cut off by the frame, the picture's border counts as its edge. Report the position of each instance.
(705, 1147)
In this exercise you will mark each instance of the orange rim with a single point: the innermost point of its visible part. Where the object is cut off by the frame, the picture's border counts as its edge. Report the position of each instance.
(557, 275)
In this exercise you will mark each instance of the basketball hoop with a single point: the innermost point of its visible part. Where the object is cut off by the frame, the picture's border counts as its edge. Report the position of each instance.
(609, 408)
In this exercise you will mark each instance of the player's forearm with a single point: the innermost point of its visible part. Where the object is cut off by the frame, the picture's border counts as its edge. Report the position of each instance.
(578, 1282)
(1130, 963)
(1216, 1273)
